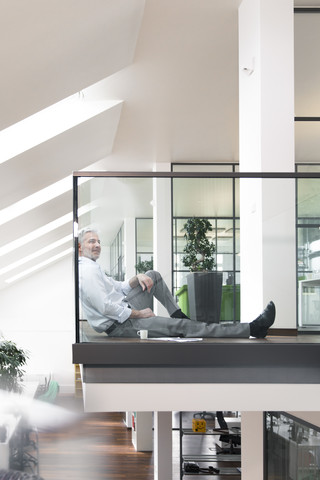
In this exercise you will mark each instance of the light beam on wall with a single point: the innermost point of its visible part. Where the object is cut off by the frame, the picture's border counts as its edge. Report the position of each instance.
(36, 254)
(49, 122)
(49, 227)
(39, 265)
(39, 198)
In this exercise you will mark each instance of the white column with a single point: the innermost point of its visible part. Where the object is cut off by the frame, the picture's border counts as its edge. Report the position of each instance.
(267, 208)
(162, 245)
(162, 232)
(129, 247)
(252, 445)
(162, 445)
(142, 437)
(130, 261)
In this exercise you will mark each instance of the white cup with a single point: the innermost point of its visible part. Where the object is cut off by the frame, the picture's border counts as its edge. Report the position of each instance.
(143, 334)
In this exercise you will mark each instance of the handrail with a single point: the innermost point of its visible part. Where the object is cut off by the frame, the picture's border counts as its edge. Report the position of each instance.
(136, 174)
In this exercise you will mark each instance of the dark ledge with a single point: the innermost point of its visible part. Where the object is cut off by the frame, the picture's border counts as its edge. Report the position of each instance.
(272, 360)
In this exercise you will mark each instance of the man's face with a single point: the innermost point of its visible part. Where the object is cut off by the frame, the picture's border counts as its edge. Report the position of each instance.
(90, 247)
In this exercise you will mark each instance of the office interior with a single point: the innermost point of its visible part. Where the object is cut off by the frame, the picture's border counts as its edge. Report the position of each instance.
(145, 86)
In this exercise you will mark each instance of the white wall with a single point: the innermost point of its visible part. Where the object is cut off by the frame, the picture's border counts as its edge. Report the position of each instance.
(252, 445)
(181, 93)
(37, 313)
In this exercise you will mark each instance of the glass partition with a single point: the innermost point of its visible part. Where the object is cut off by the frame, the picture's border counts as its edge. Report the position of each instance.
(140, 221)
(217, 200)
(120, 211)
(292, 448)
(144, 244)
(308, 247)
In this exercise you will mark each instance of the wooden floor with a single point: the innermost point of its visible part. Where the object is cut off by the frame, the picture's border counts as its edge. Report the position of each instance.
(99, 447)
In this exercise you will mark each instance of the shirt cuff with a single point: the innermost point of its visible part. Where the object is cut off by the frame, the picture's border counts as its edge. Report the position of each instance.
(125, 315)
(125, 287)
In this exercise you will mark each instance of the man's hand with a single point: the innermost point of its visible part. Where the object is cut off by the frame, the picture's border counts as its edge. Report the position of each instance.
(143, 280)
(145, 313)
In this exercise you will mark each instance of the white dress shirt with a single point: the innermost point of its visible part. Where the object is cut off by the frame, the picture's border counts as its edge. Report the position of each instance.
(102, 297)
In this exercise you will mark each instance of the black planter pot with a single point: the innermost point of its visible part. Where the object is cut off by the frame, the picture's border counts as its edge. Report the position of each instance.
(204, 293)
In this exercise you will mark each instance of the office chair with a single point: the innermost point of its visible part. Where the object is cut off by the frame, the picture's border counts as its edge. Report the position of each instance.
(204, 415)
(233, 440)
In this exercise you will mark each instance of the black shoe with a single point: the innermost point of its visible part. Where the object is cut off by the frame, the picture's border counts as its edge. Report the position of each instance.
(259, 327)
(179, 314)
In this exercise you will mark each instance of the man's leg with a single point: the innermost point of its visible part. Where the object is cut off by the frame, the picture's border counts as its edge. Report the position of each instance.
(180, 327)
(140, 299)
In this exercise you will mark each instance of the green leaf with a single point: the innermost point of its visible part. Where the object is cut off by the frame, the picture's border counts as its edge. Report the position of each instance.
(199, 250)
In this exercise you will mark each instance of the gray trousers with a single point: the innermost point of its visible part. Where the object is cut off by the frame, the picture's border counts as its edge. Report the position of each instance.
(170, 327)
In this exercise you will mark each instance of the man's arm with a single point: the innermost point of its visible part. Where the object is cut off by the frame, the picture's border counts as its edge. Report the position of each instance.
(101, 295)
(145, 313)
(146, 283)
(143, 280)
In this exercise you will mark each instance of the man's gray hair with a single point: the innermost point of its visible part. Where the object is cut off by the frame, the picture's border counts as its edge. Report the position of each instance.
(84, 231)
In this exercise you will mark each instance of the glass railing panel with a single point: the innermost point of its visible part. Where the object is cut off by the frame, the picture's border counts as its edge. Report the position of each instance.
(308, 249)
(307, 140)
(116, 208)
(292, 448)
(276, 210)
(144, 244)
(308, 200)
(202, 197)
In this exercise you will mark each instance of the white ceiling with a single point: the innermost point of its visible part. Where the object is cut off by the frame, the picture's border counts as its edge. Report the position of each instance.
(173, 64)
(49, 51)
(52, 49)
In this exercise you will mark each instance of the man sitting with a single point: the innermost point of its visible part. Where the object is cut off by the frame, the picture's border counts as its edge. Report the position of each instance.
(121, 309)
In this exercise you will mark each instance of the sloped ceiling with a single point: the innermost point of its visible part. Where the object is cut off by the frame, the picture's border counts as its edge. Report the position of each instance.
(172, 65)
(49, 51)
(52, 49)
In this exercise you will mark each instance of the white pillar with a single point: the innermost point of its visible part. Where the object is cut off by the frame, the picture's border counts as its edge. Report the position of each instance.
(162, 445)
(162, 232)
(267, 207)
(142, 437)
(129, 247)
(252, 445)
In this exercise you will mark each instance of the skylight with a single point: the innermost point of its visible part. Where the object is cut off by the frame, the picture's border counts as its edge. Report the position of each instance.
(50, 122)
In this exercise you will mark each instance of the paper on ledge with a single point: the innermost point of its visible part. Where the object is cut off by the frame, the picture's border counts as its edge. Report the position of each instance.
(176, 339)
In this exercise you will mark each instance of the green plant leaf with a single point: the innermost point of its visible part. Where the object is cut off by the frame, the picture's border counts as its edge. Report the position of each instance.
(12, 359)
(199, 250)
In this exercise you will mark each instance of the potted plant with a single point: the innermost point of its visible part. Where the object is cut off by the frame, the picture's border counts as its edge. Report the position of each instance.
(12, 360)
(144, 266)
(204, 283)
